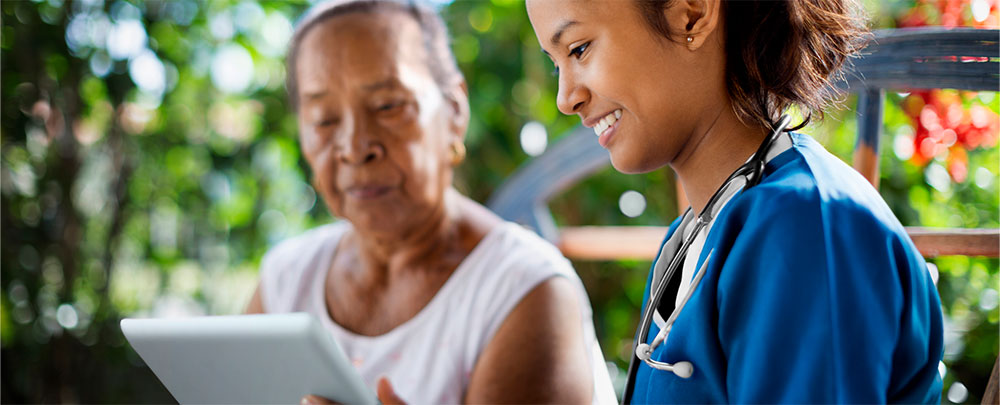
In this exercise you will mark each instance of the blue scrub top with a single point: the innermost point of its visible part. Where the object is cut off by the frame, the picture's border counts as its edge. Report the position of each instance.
(814, 294)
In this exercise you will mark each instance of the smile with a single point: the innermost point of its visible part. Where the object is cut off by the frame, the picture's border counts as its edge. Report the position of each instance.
(607, 122)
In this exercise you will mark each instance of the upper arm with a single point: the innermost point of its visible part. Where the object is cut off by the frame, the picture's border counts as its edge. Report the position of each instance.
(538, 353)
(814, 298)
(256, 304)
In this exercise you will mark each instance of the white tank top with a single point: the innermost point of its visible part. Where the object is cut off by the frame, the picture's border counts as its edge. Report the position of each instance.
(429, 358)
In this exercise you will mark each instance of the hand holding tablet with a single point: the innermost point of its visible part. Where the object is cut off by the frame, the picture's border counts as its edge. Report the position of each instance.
(386, 394)
(275, 358)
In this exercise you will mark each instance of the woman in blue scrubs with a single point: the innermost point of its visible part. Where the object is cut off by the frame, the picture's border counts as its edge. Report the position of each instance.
(788, 281)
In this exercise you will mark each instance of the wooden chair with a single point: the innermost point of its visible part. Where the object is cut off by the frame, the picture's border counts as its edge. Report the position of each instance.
(925, 58)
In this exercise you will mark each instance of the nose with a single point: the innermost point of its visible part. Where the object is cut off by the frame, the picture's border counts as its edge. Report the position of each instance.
(358, 146)
(572, 96)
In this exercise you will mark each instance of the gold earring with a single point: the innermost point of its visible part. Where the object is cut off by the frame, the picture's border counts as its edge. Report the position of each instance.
(457, 153)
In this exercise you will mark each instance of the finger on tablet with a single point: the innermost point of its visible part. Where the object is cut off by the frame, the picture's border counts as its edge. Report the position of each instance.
(315, 400)
(386, 394)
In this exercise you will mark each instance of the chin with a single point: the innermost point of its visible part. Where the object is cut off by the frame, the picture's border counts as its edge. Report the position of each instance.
(377, 229)
(632, 164)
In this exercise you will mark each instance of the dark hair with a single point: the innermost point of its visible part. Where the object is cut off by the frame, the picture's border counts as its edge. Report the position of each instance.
(440, 60)
(780, 53)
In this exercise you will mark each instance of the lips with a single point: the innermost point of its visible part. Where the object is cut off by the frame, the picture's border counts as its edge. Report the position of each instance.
(607, 122)
(604, 139)
(604, 126)
(368, 191)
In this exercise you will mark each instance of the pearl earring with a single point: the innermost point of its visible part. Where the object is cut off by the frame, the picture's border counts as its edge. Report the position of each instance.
(690, 39)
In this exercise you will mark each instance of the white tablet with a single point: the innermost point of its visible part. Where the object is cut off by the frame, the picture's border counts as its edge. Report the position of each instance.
(246, 359)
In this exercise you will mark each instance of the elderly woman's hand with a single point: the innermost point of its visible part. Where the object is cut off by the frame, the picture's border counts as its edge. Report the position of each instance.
(384, 390)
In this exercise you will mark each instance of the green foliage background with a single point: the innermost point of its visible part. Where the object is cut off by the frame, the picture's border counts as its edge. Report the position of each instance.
(118, 200)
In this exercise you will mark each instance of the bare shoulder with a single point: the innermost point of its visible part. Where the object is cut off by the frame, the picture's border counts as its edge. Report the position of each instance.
(476, 216)
(556, 297)
(538, 354)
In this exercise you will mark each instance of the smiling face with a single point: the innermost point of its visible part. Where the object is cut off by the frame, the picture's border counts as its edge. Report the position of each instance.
(375, 127)
(644, 94)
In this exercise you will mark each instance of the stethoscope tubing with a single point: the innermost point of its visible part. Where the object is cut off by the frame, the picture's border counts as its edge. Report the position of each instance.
(753, 171)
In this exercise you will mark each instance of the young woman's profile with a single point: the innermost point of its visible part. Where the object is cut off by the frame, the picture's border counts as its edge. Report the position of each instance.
(789, 279)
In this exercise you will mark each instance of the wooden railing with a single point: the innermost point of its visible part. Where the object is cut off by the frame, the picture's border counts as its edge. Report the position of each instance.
(643, 242)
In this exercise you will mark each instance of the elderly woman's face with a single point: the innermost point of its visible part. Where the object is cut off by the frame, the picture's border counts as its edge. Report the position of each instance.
(375, 127)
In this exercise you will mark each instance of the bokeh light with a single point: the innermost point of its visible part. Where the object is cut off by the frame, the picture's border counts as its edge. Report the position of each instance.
(148, 73)
(126, 39)
(534, 138)
(958, 393)
(232, 69)
(632, 203)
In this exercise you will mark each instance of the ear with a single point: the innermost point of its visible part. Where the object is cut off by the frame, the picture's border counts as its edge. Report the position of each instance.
(695, 19)
(457, 98)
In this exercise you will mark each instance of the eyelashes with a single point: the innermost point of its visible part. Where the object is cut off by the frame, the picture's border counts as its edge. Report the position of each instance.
(576, 52)
(389, 107)
(327, 122)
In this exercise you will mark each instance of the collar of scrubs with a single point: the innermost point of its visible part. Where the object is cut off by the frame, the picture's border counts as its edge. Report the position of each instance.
(686, 226)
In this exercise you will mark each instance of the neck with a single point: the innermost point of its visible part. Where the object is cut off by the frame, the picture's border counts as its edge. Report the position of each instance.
(435, 236)
(715, 151)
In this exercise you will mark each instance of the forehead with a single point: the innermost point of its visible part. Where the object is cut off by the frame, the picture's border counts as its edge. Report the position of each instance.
(550, 14)
(554, 19)
(357, 48)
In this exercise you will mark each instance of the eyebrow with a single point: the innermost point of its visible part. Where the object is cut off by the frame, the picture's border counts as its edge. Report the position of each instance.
(314, 95)
(379, 85)
(370, 88)
(559, 32)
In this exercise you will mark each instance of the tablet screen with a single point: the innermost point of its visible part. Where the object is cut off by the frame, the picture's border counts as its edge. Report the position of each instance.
(261, 358)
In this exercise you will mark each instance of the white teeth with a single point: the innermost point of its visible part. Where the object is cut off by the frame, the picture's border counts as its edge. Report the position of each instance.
(607, 122)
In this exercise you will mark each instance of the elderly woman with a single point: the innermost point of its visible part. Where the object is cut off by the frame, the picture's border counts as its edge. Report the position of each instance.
(418, 283)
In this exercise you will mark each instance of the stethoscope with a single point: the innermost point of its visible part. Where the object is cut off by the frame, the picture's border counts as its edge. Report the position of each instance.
(749, 174)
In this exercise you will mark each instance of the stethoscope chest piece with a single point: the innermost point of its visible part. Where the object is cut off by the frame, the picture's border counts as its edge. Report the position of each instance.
(682, 369)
